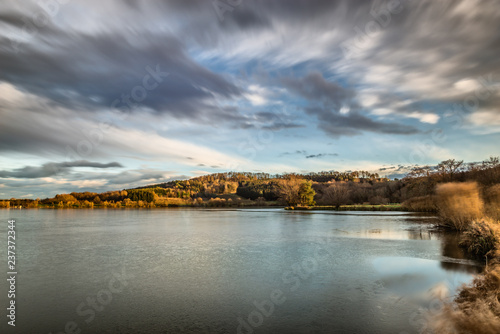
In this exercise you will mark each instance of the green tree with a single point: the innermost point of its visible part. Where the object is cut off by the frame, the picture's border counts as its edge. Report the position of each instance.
(306, 193)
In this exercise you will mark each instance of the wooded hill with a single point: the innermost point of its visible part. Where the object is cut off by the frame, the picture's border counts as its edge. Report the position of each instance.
(330, 188)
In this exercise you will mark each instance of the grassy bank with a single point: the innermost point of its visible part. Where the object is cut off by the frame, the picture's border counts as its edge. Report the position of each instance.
(221, 201)
(359, 207)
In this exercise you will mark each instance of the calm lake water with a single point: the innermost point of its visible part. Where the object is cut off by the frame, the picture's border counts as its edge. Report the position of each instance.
(228, 271)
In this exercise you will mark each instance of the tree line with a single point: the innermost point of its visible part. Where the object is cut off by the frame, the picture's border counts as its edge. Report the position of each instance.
(329, 188)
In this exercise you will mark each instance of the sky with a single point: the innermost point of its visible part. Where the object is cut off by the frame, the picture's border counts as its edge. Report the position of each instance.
(108, 95)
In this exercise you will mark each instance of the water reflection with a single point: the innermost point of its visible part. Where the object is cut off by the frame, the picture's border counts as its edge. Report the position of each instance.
(419, 234)
(391, 233)
(450, 245)
(472, 268)
(408, 276)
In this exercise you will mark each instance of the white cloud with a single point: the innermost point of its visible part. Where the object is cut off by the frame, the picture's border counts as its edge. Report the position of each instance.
(382, 111)
(9, 93)
(344, 110)
(485, 121)
(369, 100)
(164, 149)
(424, 117)
(467, 85)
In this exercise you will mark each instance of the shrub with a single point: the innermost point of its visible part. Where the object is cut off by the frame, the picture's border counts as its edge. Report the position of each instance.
(481, 237)
(198, 201)
(261, 201)
(420, 204)
(459, 204)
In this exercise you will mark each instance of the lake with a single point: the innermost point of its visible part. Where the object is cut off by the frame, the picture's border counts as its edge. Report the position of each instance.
(229, 271)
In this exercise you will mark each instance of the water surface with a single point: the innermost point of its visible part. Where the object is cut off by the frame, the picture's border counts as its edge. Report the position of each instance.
(229, 271)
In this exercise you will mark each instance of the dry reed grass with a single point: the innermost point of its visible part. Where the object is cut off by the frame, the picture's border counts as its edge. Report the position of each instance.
(492, 201)
(481, 237)
(459, 204)
(476, 309)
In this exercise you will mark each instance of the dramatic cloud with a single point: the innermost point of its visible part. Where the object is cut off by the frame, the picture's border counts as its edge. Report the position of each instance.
(315, 88)
(117, 69)
(53, 168)
(338, 113)
(353, 123)
(169, 85)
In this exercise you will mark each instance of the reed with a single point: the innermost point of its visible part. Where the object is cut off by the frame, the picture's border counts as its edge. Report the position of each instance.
(459, 204)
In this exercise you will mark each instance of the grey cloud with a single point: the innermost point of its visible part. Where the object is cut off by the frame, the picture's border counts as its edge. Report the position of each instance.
(94, 71)
(315, 88)
(310, 156)
(53, 169)
(353, 123)
(267, 120)
(129, 178)
(132, 177)
(331, 97)
(296, 152)
(27, 128)
(246, 18)
(439, 42)
(280, 126)
(386, 168)
(320, 155)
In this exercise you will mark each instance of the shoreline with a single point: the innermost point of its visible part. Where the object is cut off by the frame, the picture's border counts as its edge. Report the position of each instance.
(354, 207)
(360, 207)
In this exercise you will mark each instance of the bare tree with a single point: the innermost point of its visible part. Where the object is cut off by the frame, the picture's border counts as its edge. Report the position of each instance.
(336, 194)
(491, 162)
(419, 171)
(449, 167)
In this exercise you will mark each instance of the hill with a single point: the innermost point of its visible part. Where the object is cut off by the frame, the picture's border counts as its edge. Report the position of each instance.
(328, 188)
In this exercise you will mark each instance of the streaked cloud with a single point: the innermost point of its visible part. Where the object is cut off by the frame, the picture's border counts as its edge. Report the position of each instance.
(147, 84)
(53, 168)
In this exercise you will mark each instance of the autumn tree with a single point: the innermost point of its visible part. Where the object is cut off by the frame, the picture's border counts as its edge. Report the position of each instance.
(65, 198)
(289, 191)
(296, 191)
